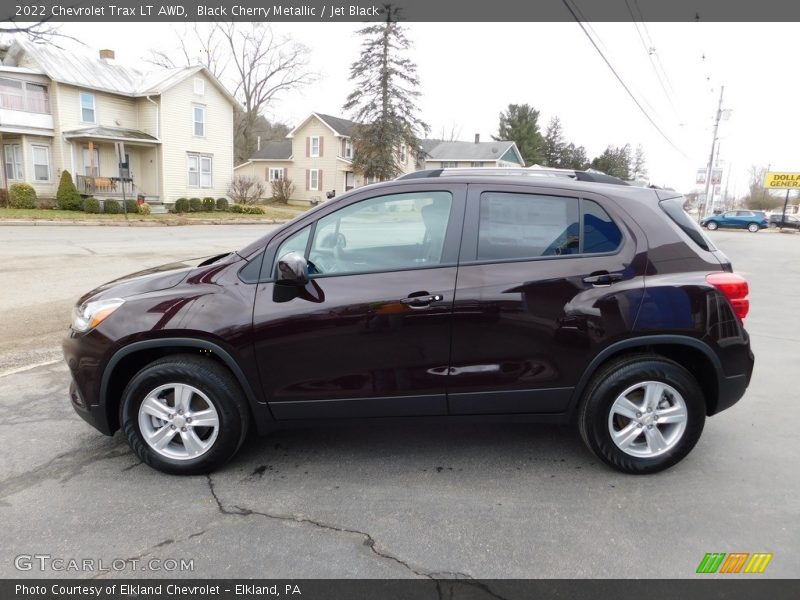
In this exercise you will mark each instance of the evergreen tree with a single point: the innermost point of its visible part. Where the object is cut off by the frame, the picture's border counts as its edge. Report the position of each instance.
(384, 100)
(520, 124)
(638, 168)
(615, 160)
(574, 157)
(553, 144)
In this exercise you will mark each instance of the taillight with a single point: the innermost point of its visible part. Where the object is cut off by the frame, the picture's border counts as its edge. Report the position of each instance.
(734, 287)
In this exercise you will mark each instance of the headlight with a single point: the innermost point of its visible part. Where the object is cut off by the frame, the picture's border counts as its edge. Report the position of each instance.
(90, 315)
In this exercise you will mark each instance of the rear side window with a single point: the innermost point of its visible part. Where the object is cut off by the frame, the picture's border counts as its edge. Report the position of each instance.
(674, 209)
(519, 226)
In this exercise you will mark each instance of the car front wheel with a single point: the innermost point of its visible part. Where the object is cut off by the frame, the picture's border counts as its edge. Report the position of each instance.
(753, 228)
(642, 414)
(712, 225)
(184, 415)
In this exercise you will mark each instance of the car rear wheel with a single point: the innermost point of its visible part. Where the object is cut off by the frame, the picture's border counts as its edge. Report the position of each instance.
(773, 225)
(712, 225)
(753, 228)
(642, 414)
(184, 415)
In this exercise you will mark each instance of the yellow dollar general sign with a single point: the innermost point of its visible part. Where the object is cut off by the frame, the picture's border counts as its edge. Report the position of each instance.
(782, 181)
(734, 562)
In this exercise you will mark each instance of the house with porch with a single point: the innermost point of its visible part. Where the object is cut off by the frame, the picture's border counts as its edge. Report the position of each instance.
(317, 156)
(61, 110)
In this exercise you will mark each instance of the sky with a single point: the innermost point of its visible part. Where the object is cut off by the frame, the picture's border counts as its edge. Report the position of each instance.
(470, 72)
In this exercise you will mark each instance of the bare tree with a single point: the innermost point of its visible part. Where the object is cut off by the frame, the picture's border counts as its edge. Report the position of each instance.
(282, 190)
(246, 190)
(41, 32)
(251, 61)
(199, 44)
(263, 66)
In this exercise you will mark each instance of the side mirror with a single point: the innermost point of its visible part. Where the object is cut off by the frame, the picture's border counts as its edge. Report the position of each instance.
(293, 268)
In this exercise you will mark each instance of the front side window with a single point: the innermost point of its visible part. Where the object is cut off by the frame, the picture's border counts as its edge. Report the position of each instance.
(199, 117)
(41, 163)
(87, 108)
(13, 159)
(297, 242)
(387, 233)
(275, 174)
(199, 170)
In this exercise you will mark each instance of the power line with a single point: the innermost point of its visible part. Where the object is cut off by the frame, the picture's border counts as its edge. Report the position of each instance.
(622, 83)
(650, 50)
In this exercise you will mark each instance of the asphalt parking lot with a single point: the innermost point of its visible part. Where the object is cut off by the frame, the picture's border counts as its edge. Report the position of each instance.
(399, 500)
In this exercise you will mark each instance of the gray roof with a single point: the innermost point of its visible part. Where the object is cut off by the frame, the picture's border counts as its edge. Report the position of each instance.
(276, 150)
(341, 126)
(110, 132)
(439, 150)
(95, 73)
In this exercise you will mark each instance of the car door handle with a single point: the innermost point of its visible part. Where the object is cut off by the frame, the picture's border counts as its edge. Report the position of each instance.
(603, 278)
(421, 301)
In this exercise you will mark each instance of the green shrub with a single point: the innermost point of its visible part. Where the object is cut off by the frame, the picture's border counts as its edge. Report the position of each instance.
(131, 206)
(111, 207)
(253, 210)
(208, 204)
(67, 196)
(237, 208)
(143, 209)
(181, 205)
(222, 204)
(46, 203)
(91, 205)
(3, 198)
(22, 195)
(195, 205)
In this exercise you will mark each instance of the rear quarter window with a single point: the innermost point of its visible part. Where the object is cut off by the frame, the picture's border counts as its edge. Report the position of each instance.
(674, 209)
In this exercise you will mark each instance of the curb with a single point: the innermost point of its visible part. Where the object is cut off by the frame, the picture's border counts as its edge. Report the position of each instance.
(137, 223)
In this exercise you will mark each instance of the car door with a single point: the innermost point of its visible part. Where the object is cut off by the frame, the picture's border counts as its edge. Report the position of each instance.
(546, 278)
(370, 333)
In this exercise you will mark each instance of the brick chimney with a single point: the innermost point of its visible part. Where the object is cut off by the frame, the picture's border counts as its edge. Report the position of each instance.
(477, 138)
(107, 54)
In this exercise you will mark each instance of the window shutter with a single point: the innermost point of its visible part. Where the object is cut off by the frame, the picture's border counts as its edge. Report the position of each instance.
(319, 177)
(321, 139)
(344, 147)
(308, 179)
(308, 147)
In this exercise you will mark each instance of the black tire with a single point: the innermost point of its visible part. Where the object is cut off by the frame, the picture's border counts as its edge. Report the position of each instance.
(773, 225)
(221, 389)
(712, 225)
(610, 382)
(753, 227)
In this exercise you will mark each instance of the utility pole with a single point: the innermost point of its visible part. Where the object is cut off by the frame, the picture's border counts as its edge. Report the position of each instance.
(711, 156)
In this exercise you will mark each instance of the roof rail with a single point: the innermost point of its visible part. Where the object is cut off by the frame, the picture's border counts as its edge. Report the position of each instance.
(590, 176)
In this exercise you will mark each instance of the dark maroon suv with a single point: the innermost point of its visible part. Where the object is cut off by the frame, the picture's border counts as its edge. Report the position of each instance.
(446, 294)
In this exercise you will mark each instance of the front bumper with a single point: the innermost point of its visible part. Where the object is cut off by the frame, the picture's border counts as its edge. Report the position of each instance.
(84, 355)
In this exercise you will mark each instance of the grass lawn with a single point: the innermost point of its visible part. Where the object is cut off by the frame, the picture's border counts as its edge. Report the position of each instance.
(272, 212)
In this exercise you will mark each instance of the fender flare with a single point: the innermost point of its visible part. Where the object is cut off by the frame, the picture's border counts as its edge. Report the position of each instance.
(258, 409)
(642, 342)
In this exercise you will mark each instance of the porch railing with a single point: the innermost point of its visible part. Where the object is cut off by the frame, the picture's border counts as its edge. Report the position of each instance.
(95, 185)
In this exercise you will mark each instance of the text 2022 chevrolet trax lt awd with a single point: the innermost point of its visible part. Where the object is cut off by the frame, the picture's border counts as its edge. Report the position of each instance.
(443, 294)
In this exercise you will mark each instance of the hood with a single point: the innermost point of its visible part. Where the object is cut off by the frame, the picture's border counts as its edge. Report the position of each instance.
(155, 278)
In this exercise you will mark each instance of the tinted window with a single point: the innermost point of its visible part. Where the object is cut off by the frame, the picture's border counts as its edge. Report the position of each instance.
(526, 226)
(393, 232)
(600, 234)
(674, 208)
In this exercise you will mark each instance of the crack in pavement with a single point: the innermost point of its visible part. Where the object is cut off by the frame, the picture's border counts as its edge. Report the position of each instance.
(148, 551)
(368, 541)
(64, 466)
